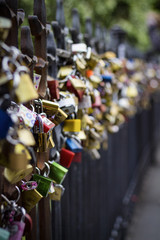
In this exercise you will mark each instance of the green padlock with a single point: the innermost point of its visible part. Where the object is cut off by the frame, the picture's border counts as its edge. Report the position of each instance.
(44, 183)
(57, 172)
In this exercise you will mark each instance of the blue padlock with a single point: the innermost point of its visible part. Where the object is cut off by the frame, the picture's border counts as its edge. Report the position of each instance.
(106, 78)
(73, 145)
(6, 123)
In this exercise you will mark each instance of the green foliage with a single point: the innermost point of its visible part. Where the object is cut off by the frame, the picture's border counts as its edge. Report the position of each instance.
(129, 14)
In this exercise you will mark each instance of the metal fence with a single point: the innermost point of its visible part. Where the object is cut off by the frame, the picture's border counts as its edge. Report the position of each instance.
(99, 194)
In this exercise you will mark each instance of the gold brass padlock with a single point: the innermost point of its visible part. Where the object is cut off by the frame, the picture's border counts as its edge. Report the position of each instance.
(16, 176)
(72, 125)
(41, 137)
(59, 117)
(25, 91)
(77, 83)
(30, 198)
(64, 71)
(49, 107)
(57, 194)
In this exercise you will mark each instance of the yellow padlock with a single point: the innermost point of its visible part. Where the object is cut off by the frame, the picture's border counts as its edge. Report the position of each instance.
(64, 71)
(77, 83)
(16, 176)
(30, 198)
(59, 117)
(57, 194)
(25, 91)
(26, 137)
(72, 125)
(49, 107)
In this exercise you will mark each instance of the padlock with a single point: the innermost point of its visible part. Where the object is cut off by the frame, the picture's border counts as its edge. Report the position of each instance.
(77, 83)
(59, 117)
(67, 103)
(64, 71)
(16, 176)
(19, 158)
(57, 194)
(79, 48)
(30, 198)
(41, 137)
(26, 137)
(97, 102)
(29, 117)
(57, 172)
(81, 135)
(92, 61)
(95, 154)
(77, 157)
(72, 125)
(85, 102)
(66, 157)
(6, 123)
(73, 145)
(81, 65)
(77, 92)
(44, 183)
(50, 108)
(47, 124)
(53, 86)
(4, 234)
(25, 90)
(17, 228)
(93, 134)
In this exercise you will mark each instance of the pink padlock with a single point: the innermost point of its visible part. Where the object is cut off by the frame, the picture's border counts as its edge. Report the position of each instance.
(17, 229)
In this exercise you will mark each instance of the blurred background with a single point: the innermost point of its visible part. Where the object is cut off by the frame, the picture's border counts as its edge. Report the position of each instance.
(133, 16)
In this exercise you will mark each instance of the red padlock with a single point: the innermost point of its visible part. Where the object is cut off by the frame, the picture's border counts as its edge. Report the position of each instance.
(78, 157)
(78, 93)
(66, 157)
(53, 86)
(47, 124)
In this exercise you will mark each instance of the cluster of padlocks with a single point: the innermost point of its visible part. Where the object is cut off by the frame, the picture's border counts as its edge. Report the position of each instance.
(92, 95)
